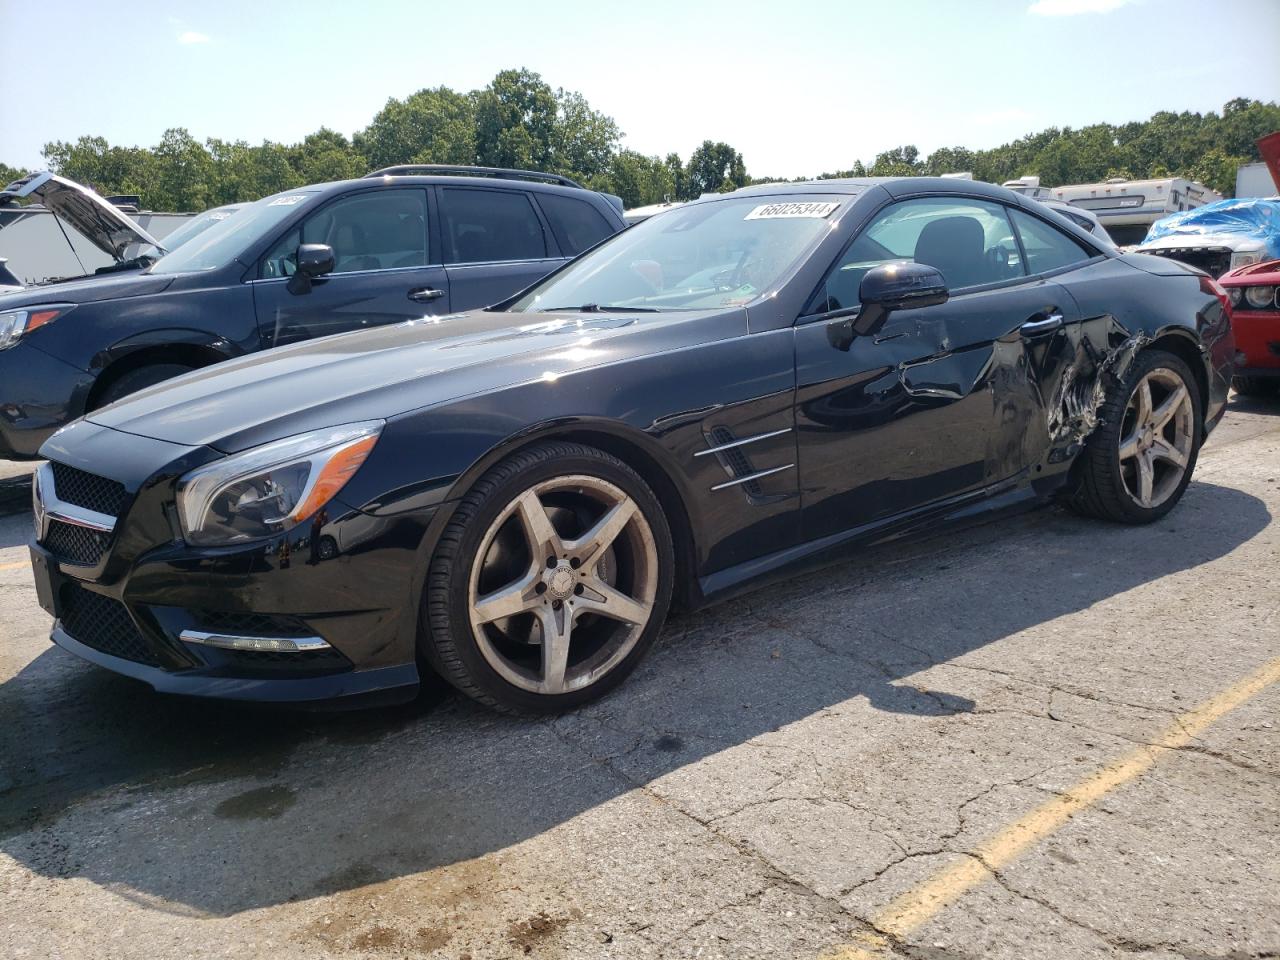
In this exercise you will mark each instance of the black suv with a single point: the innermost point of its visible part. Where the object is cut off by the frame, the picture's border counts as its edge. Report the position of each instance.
(402, 243)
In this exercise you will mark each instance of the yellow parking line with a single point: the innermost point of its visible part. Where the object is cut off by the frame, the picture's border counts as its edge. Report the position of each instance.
(913, 909)
(15, 566)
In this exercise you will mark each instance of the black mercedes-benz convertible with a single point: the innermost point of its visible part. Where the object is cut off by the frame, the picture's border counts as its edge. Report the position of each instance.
(515, 497)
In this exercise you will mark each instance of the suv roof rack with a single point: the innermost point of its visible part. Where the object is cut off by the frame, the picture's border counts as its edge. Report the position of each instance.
(434, 169)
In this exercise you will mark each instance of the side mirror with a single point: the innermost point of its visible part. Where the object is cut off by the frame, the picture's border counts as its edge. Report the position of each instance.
(897, 286)
(312, 260)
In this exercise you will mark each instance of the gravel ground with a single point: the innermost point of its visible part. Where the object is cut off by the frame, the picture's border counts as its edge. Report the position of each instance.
(778, 778)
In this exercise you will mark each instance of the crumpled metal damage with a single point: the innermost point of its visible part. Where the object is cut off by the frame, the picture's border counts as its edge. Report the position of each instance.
(1072, 413)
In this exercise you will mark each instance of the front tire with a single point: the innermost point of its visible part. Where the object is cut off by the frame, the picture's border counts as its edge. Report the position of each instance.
(550, 582)
(1138, 462)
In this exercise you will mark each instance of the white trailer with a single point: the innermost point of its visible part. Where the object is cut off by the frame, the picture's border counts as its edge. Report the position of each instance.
(1127, 208)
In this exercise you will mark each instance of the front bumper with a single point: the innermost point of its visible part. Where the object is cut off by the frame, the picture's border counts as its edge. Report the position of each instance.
(38, 394)
(1257, 334)
(136, 626)
(125, 598)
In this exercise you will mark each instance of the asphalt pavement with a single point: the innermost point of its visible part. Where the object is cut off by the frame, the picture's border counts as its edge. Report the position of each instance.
(1041, 737)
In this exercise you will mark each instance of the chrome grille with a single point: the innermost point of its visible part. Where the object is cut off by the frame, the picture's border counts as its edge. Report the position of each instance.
(75, 512)
(75, 544)
(88, 490)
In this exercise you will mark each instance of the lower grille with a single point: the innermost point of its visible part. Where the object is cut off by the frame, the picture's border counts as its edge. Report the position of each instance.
(75, 544)
(251, 624)
(103, 624)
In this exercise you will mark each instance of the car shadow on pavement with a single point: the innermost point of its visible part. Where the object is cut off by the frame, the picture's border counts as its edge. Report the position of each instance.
(212, 809)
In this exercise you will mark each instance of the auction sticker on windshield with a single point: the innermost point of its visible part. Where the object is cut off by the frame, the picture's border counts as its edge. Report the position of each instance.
(288, 201)
(774, 211)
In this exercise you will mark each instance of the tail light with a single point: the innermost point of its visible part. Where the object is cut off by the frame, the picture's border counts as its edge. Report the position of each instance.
(1212, 286)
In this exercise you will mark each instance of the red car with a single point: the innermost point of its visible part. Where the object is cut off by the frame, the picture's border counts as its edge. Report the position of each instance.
(1255, 319)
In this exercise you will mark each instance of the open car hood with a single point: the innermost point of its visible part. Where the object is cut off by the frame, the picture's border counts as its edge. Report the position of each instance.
(103, 225)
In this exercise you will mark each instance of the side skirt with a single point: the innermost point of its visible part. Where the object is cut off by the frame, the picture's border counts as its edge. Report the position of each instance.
(1009, 496)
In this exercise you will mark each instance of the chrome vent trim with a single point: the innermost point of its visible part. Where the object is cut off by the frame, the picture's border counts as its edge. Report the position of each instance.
(740, 443)
(751, 476)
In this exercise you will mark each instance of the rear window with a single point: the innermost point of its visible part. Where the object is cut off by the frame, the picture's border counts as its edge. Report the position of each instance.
(1048, 248)
(481, 226)
(577, 225)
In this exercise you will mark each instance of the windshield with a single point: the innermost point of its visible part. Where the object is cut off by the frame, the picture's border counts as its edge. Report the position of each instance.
(717, 254)
(196, 226)
(224, 240)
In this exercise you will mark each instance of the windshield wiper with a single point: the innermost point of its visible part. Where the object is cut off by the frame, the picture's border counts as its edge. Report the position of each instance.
(596, 308)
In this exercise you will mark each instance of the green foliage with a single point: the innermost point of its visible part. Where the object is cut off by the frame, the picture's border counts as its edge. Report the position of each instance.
(9, 174)
(1206, 147)
(714, 168)
(436, 125)
(637, 179)
(515, 121)
(518, 120)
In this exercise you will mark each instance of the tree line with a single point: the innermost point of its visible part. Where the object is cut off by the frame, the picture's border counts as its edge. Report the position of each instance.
(519, 120)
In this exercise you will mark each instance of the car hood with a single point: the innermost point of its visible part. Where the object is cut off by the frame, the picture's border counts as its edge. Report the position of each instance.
(1236, 242)
(383, 373)
(102, 224)
(111, 286)
(1266, 272)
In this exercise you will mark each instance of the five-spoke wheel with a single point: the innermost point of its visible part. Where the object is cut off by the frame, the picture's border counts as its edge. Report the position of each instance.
(1157, 437)
(1137, 463)
(551, 580)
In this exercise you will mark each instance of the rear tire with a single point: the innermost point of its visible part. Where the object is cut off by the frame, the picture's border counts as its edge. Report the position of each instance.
(550, 582)
(1256, 386)
(1138, 462)
(140, 379)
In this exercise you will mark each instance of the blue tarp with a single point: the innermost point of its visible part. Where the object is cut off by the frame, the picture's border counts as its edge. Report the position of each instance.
(1248, 217)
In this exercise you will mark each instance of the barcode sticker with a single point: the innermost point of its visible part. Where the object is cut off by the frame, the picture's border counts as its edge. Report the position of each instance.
(776, 211)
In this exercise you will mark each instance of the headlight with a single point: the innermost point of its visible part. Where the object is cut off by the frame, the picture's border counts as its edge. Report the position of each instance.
(1236, 294)
(272, 488)
(1244, 259)
(15, 323)
(1259, 297)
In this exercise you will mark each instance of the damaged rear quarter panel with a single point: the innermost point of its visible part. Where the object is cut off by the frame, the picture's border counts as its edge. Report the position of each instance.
(1125, 309)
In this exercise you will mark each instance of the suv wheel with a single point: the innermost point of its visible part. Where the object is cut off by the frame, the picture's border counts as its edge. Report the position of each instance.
(140, 379)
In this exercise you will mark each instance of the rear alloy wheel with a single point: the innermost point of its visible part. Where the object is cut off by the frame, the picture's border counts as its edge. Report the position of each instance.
(551, 581)
(1157, 438)
(1139, 461)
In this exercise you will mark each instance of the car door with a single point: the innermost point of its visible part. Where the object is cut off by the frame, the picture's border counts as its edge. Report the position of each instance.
(495, 244)
(383, 270)
(943, 401)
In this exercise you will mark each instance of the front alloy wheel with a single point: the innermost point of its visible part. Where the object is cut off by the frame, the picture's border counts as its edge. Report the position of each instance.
(601, 581)
(550, 582)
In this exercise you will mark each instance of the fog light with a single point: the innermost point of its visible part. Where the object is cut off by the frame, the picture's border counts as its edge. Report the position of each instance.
(260, 644)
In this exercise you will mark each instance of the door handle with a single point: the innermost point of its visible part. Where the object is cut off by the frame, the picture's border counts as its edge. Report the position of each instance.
(425, 294)
(1042, 323)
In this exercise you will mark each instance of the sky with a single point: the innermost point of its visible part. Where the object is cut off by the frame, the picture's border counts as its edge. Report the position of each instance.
(797, 89)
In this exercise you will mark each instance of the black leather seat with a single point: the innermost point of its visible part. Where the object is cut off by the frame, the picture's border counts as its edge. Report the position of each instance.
(957, 246)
